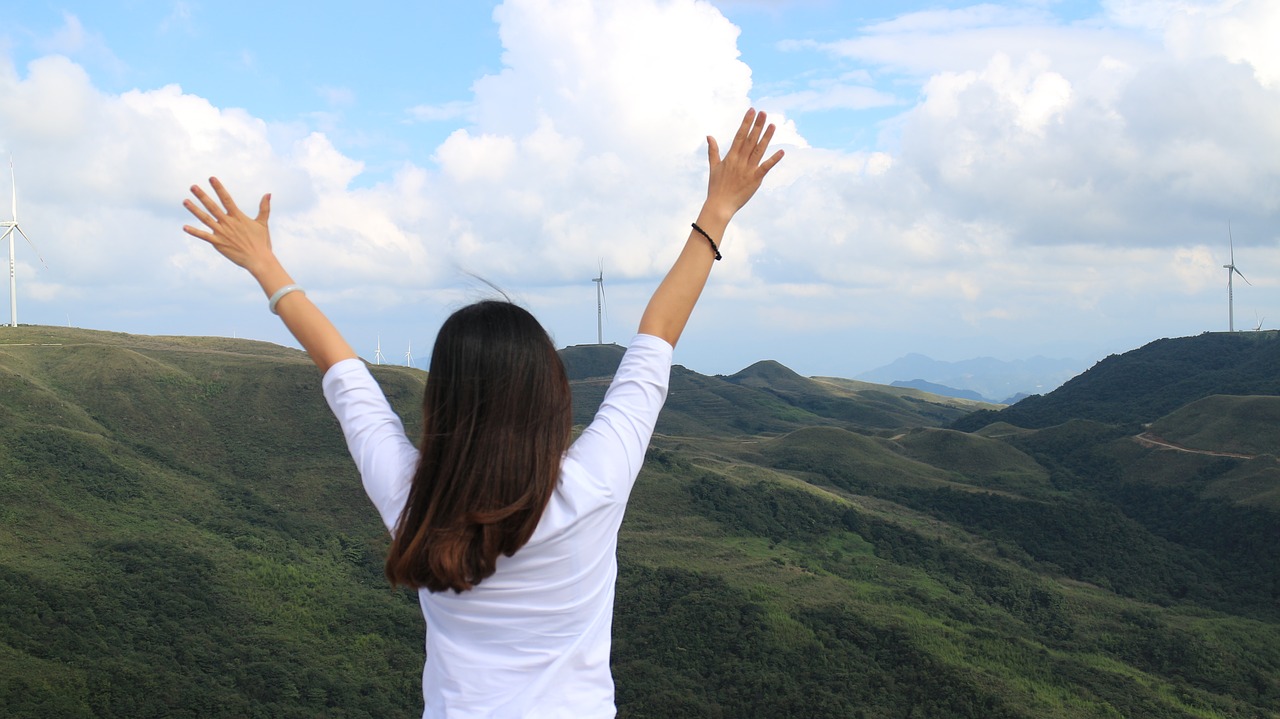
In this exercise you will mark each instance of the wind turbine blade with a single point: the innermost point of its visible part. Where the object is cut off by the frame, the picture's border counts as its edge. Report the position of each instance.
(1233, 269)
(37, 250)
(1231, 243)
(13, 183)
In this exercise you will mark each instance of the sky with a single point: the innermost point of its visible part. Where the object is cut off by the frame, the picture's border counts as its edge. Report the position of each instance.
(1005, 179)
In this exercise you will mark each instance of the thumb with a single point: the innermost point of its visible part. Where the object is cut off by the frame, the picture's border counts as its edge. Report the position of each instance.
(713, 151)
(264, 209)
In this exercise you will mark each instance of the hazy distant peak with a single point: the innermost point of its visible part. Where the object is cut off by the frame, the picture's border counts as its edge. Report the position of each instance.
(1144, 384)
(989, 377)
(941, 389)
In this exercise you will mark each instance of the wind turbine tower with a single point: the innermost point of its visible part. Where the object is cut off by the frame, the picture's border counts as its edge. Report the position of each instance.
(11, 227)
(1230, 289)
(378, 357)
(599, 280)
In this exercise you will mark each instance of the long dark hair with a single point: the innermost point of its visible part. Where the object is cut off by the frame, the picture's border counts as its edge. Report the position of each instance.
(497, 418)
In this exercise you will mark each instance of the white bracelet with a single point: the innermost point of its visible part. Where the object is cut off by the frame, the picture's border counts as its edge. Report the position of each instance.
(279, 295)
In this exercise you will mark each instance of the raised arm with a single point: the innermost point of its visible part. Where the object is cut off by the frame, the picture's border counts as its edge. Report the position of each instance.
(247, 242)
(732, 181)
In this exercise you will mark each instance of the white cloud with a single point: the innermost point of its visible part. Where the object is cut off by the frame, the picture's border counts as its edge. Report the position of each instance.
(923, 43)
(1039, 173)
(440, 113)
(591, 139)
(829, 96)
(72, 39)
(476, 158)
(1242, 31)
(178, 19)
(1117, 151)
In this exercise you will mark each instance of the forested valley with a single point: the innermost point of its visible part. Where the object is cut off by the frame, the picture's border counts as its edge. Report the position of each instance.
(182, 534)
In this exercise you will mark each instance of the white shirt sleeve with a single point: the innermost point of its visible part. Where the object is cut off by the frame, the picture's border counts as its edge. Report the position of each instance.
(375, 436)
(612, 448)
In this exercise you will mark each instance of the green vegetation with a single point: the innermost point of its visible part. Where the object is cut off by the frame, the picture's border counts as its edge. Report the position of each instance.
(182, 534)
(765, 398)
(1152, 381)
(975, 459)
(1223, 423)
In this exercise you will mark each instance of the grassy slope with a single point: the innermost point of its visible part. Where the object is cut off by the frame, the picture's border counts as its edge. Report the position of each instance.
(989, 630)
(1152, 381)
(183, 534)
(1223, 423)
(187, 504)
(766, 398)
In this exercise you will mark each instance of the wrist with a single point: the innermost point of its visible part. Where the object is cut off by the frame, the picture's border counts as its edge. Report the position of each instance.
(270, 274)
(714, 218)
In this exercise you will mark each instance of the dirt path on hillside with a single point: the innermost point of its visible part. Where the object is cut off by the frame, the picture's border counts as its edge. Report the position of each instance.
(1147, 439)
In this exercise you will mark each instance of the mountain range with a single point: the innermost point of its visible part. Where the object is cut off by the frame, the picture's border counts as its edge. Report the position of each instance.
(992, 380)
(182, 534)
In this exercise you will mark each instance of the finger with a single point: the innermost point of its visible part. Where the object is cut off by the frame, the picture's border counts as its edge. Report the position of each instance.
(741, 135)
(223, 195)
(200, 214)
(753, 136)
(264, 209)
(214, 209)
(713, 151)
(763, 145)
(207, 237)
(769, 163)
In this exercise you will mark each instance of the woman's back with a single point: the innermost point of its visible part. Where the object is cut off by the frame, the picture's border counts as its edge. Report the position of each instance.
(536, 633)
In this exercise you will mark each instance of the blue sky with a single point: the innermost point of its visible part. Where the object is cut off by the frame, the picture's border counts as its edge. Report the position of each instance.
(1007, 179)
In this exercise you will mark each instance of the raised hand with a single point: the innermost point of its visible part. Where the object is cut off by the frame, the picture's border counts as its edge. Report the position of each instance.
(733, 180)
(736, 177)
(246, 241)
(243, 240)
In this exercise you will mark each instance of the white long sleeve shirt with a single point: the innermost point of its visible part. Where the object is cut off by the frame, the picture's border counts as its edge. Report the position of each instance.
(532, 640)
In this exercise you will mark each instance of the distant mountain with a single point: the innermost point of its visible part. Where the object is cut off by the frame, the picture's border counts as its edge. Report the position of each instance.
(766, 397)
(939, 389)
(991, 378)
(1142, 385)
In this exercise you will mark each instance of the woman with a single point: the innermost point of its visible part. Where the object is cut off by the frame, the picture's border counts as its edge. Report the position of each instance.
(508, 532)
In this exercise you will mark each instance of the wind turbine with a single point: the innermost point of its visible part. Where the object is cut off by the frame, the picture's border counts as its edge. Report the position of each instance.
(11, 227)
(1231, 270)
(599, 280)
(408, 356)
(378, 357)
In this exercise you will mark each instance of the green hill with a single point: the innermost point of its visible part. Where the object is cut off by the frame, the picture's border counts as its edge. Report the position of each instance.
(765, 398)
(1223, 423)
(182, 534)
(1144, 384)
(591, 361)
(977, 460)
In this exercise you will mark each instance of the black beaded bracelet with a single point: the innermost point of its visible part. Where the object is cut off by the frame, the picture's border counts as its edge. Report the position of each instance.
(703, 232)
